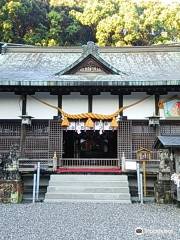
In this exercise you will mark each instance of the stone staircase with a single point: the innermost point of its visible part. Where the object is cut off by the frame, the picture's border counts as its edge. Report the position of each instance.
(88, 188)
(28, 186)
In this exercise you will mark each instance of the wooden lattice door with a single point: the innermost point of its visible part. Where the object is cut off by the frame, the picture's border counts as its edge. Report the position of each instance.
(55, 139)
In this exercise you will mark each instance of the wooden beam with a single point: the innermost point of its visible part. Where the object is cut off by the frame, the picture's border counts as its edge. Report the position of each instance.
(24, 92)
(120, 91)
(89, 91)
(60, 92)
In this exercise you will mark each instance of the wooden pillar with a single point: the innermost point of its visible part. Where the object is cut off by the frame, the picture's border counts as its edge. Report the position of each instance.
(59, 141)
(59, 103)
(121, 103)
(23, 126)
(90, 102)
(156, 104)
(24, 104)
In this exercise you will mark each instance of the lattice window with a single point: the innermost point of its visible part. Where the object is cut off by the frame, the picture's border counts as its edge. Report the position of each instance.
(37, 135)
(55, 139)
(124, 139)
(10, 128)
(9, 134)
(37, 154)
(143, 136)
(5, 143)
(170, 128)
(141, 129)
(36, 144)
(38, 128)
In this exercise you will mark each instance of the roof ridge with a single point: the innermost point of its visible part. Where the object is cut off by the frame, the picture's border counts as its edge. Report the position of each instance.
(23, 48)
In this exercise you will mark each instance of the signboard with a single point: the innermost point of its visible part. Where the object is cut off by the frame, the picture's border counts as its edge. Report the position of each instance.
(172, 108)
(143, 154)
(130, 165)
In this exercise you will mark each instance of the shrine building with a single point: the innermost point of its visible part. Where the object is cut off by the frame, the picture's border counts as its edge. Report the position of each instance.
(88, 106)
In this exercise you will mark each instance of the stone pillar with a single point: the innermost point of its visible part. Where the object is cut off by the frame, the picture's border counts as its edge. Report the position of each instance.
(163, 184)
(11, 190)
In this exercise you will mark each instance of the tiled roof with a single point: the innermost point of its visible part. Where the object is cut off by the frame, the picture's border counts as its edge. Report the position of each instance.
(167, 141)
(22, 65)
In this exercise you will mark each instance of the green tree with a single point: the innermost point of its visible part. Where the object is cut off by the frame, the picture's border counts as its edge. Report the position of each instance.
(19, 19)
(120, 22)
(121, 28)
(64, 28)
(93, 12)
(74, 22)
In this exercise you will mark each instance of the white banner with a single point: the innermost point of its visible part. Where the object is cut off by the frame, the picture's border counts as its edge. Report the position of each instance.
(98, 125)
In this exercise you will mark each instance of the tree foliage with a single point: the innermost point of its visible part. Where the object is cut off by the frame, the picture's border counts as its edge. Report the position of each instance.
(74, 22)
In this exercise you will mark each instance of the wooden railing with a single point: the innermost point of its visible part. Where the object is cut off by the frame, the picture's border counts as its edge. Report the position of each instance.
(89, 162)
(29, 165)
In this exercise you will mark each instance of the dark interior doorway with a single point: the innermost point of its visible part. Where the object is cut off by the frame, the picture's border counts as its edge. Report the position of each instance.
(90, 144)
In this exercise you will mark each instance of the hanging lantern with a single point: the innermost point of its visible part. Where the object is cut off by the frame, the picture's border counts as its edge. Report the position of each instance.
(154, 120)
(65, 122)
(114, 123)
(89, 123)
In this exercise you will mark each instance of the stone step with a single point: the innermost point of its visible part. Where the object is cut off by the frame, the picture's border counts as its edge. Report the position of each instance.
(87, 177)
(28, 197)
(80, 189)
(29, 182)
(89, 196)
(128, 201)
(89, 183)
(88, 188)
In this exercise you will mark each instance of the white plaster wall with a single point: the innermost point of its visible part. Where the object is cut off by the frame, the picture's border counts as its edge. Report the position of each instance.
(39, 110)
(141, 110)
(10, 106)
(164, 97)
(75, 103)
(105, 103)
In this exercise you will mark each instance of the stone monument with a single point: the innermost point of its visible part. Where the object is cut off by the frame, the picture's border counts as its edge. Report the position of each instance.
(163, 183)
(10, 179)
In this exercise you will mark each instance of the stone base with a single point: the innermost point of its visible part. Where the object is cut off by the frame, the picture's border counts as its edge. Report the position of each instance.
(164, 176)
(11, 191)
(163, 192)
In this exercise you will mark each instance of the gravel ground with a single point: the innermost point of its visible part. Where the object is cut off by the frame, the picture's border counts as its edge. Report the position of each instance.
(88, 221)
